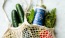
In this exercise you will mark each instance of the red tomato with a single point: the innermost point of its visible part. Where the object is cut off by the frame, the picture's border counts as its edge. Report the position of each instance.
(45, 34)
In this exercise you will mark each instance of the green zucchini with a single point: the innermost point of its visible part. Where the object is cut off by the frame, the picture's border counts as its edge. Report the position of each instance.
(20, 12)
(14, 18)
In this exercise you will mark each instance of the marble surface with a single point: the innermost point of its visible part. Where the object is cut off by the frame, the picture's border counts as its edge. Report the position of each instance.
(59, 4)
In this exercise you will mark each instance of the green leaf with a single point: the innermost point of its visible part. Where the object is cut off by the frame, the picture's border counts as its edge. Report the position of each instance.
(44, 6)
(53, 14)
(31, 16)
(50, 18)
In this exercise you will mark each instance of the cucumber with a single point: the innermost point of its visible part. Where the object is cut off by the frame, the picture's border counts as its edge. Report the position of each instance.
(14, 18)
(20, 12)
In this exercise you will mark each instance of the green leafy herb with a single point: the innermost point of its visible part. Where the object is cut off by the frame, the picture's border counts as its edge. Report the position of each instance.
(50, 18)
(30, 16)
(43, 6)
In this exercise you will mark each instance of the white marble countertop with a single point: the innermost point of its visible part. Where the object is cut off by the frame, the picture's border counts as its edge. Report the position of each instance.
(60, 24)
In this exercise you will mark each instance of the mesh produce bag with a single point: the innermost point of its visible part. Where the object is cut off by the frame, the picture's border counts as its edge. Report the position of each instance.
(29, 31)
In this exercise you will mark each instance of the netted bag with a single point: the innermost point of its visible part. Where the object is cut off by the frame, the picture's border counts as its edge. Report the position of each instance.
(29, 31)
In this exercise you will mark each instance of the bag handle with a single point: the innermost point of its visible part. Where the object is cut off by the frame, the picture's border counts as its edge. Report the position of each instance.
(9, 22)
(4, 10)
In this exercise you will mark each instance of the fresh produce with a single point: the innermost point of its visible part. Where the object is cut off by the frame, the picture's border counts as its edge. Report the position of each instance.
(14, 18)
(20, 12)
(17, 16)
(45, 34)
(43, 6)
(50, 18)
(30, 16)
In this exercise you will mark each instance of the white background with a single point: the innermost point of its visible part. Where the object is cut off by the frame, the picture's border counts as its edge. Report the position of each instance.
(59, 4)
